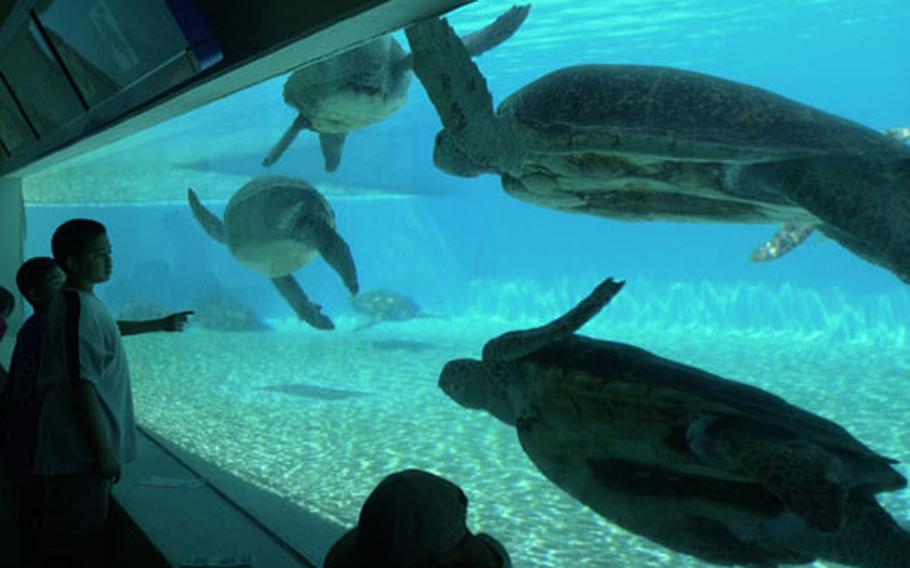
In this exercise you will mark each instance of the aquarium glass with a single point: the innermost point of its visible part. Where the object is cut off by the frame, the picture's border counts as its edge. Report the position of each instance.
(319, 417)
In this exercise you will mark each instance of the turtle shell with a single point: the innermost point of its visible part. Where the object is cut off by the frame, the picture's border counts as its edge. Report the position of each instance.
(609, 423)
(618, 402)
(265, 224)
(672, 113)
(385, 305)
(353, 89)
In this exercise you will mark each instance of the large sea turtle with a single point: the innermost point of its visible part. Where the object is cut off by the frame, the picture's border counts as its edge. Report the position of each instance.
(717, 469)
(642, 143)
(365, 85)
(275, 226)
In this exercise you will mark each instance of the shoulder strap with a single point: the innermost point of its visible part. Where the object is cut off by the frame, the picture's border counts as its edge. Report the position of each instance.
(72, 313)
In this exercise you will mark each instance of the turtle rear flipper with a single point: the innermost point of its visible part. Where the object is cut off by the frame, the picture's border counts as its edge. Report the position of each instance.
(803, 476)
(516, 344)
(337, 253)
(901, 134)
(286, 139)
(787, 238)
(332, 144)
(306, 310)
(870, 537)
(212, 224)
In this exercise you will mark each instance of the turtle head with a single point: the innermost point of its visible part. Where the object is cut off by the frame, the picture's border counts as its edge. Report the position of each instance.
(473, 150)
(450, 156)
(471, 384)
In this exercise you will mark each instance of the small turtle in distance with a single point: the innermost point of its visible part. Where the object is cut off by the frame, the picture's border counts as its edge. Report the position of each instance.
(386, 305)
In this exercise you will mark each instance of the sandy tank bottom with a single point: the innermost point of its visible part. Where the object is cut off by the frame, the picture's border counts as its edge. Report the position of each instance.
(319, 418)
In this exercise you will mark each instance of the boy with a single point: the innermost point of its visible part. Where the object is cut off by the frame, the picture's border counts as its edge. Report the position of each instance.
(87, 427)
(38, 279)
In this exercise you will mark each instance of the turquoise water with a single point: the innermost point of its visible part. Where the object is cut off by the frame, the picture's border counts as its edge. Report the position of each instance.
(820, 327)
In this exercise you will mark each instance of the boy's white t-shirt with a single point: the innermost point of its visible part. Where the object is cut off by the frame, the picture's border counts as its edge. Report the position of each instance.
(63, 445)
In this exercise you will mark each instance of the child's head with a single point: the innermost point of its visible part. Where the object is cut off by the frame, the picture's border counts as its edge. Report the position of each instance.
(83, 251)
(411, 518)
(38, 280)
(7, 303)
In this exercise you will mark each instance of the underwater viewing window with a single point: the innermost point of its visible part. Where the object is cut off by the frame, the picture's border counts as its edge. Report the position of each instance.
(339, 251)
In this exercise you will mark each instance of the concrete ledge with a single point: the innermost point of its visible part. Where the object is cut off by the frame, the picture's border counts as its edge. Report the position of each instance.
(189, 508)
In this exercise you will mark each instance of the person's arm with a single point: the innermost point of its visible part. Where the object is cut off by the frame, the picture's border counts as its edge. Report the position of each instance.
(173, 322)
(88, 409)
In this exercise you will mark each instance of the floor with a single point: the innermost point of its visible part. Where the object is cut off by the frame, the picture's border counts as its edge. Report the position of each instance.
(197, 515)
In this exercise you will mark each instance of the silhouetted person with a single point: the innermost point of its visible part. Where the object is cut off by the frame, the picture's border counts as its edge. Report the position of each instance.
(415, 519)
(87, 426)
(7, 303)
(38, 279)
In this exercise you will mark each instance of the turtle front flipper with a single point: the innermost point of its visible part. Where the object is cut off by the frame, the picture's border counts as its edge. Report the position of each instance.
(332, 144)
(499, 31)
(484, 39)
(803, 476)
(453, 82)
(337, 253)
(787, 238)
(306, 310)
(286, 139)
(516, 344)
(212, 224)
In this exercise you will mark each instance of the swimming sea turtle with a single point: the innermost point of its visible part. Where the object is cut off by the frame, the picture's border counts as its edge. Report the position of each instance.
(717, 469)
(385, 305)
(365, 85)
(275, 226)
(638, 143)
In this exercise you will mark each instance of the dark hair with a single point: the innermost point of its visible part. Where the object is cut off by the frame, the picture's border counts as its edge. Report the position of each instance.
(32, 273)
(72, 238)
(7, 300)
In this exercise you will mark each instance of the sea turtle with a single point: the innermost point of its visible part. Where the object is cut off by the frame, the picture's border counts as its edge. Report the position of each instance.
(385, 305)
(710, 467)
(365, 85)
(275, 226)
(639, 143)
